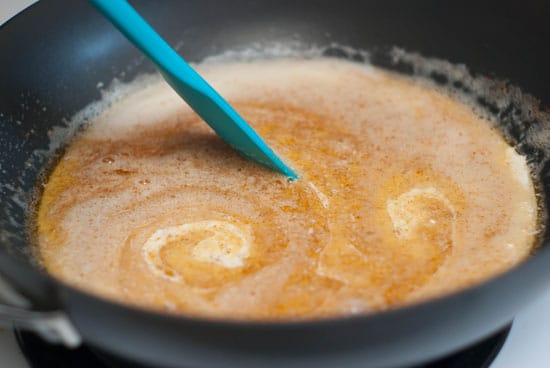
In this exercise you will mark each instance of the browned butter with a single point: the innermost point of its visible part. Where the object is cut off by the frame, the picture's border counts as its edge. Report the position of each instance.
(404, 194)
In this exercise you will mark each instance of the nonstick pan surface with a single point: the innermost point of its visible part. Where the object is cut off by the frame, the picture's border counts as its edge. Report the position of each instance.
(54, 56)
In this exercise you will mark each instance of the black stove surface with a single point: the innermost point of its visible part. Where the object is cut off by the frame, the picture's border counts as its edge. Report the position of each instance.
(41, 354)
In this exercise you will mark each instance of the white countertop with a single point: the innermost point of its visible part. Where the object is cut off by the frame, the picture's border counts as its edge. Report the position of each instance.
(528, 344)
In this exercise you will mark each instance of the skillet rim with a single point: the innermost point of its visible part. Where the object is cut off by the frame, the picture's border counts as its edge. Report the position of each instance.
(540, 251)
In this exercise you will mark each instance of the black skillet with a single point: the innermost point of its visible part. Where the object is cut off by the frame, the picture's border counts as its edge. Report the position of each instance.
(54, 55)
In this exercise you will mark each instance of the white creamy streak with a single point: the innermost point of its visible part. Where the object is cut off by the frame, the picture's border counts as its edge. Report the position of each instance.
(219, 242)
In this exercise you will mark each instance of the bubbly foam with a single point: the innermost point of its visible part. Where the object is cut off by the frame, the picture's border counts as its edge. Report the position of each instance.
(404, 193)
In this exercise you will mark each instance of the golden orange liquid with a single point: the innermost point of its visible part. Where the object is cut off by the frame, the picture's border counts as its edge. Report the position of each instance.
(404, 194)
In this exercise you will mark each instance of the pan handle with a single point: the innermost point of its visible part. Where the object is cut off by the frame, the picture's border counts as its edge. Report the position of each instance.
(54, 326)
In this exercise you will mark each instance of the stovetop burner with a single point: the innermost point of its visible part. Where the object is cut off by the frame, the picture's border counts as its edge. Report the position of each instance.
(41, 354)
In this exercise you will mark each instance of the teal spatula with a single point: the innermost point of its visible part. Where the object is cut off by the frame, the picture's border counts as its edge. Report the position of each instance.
(202, 98)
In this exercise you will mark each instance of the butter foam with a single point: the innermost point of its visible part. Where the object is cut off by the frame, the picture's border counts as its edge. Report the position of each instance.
(405, 193)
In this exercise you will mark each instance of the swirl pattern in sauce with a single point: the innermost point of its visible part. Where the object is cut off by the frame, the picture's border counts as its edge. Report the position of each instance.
(404, 194)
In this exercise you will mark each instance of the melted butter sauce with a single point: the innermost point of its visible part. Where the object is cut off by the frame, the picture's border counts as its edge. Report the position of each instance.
(404, 194)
